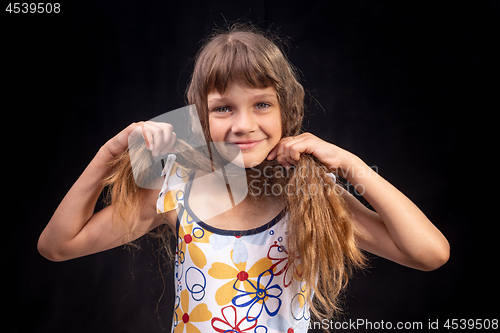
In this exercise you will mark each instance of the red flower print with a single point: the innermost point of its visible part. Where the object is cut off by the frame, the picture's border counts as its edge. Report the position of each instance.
(230, 322)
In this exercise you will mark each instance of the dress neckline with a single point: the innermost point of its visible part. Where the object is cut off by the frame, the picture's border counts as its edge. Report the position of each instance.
(226, 232)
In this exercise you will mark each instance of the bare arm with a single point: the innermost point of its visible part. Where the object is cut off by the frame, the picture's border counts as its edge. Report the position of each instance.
(398, 230)
(74, 230)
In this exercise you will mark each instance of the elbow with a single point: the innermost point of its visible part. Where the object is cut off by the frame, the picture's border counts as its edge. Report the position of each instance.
(436, 259)
(49, 252)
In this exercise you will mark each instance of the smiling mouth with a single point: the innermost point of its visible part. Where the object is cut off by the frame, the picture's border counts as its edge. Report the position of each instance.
(248, 144)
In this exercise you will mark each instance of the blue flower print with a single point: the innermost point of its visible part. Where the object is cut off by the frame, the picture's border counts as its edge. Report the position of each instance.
(278, 323)
(219, 242)
(260, 329)
(240, 251)
(259, 296)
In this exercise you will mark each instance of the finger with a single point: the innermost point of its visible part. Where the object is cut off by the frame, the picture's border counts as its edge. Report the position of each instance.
(165, 139)
(281, 160)
(292, 149)
(273, 153)
(158, 138)
(168, 146)
(148, 137)
(282, 145)
(277, 150)
(288, 158)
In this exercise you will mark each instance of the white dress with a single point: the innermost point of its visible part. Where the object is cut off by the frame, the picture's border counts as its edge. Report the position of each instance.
(231, 281)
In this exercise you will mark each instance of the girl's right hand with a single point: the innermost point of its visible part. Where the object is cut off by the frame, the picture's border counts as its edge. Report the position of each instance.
(159, 138)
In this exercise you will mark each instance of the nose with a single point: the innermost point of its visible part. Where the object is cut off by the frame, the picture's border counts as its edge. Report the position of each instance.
(243, 122)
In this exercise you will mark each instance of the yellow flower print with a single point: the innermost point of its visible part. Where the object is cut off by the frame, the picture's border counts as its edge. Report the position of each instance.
(188, 237)
(186, 319)
(238, 275)
(170, 200)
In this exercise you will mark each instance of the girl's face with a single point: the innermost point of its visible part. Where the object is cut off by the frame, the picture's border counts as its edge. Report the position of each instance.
(245, 119)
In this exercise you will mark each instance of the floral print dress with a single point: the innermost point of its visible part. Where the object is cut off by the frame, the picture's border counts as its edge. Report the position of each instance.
(231, 281)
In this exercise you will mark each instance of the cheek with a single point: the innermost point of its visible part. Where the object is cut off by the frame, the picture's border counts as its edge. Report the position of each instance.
(276, 128)
(215, 130)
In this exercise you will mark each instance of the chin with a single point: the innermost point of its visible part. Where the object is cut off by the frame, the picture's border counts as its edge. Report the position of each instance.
(240, 158)
(247, 163)
(253, 164)
(250, 160)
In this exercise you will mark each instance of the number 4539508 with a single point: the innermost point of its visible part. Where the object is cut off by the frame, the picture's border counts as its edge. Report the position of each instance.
(39, 8)
(463, 324)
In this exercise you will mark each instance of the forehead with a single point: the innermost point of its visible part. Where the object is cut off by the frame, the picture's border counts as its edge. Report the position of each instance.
(239, 91)
(245, 59)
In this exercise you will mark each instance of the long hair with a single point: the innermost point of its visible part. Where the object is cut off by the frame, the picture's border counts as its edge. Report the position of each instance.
(321, 231)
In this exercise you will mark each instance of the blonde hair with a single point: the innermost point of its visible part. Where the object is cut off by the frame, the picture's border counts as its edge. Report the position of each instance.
(320, 229)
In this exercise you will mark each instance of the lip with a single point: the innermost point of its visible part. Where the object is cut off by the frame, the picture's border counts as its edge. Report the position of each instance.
(247, 144)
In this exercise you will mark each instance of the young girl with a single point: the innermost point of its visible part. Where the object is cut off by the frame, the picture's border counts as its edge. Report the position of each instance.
(288, 247)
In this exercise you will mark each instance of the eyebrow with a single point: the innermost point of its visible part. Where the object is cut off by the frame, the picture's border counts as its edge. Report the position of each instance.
(225, 99)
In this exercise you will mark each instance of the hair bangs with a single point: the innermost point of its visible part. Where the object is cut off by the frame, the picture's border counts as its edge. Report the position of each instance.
(237, 63)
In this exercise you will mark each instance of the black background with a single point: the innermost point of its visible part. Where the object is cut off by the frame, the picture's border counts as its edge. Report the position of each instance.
(410, 87)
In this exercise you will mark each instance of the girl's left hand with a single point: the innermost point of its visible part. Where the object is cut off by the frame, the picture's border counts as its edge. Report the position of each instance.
(288, 151)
